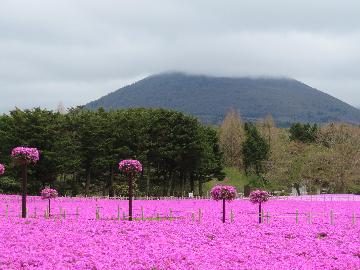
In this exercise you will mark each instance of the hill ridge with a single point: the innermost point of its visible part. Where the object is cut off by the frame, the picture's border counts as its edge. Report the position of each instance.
(209, 98)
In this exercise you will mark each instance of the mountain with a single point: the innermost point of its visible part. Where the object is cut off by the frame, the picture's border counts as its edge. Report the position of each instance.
(209, 98)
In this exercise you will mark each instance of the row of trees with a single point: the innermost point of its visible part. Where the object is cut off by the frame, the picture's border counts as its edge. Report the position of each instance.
(320, 157)
(80, 150)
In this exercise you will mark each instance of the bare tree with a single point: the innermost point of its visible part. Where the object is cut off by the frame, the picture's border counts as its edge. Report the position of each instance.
(232, 135)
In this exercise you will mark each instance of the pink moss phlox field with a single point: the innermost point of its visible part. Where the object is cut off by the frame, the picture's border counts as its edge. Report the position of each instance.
(26, 154)
(2, 169)
(130, 166)
(48, 193)
(227, 193)
(81, 241)
(259, 196)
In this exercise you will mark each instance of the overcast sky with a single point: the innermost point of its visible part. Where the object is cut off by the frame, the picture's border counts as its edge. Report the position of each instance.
(75, 51)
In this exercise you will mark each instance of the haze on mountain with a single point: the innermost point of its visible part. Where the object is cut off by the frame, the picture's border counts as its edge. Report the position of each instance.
(209, 98)
(77, 51)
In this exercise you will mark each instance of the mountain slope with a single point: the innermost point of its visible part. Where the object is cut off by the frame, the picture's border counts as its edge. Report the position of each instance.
(209, 98)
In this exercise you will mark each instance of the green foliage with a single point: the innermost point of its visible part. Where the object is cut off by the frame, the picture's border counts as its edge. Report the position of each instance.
(305, 133)
(81, 149)
(9, 185)
(233, 177)
(255, 150)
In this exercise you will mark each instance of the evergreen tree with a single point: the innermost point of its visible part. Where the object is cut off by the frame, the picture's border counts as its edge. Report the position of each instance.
(255, 150)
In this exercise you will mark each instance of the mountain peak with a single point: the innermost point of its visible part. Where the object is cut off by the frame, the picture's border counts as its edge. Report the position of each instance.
(209, 98)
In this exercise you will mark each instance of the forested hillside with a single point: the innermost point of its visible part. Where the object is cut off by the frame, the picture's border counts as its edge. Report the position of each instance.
(209, 99)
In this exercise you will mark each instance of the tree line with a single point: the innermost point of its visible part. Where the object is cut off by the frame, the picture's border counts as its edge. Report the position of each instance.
(325, 157)
(80, 151)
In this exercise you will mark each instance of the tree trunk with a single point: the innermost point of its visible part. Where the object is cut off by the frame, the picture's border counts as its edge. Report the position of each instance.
(130, 196)
(181, 184)
(111, 182)
(49, 208)
(148, 181)
(297, 187)
(200, 187)
(88, 180)
(24, 190)
(259, 212)
(170, 182)
(192, 183)
(224, 214)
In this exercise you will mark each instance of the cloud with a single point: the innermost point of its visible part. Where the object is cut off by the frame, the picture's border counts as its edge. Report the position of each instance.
(77, 51)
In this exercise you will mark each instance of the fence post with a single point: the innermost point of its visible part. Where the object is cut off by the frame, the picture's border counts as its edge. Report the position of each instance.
(353, 219)
(331, 217)
(142, 213)
(297, 216)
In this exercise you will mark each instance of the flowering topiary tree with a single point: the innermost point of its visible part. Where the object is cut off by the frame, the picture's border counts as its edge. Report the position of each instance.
(25, 156)
(259, 196)
(48, 194)
(224, 193)
(2, 169)
(130, 168)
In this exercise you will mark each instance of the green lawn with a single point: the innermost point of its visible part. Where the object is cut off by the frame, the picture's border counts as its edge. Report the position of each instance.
(233, 178)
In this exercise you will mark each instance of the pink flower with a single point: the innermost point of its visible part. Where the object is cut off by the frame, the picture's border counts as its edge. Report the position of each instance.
(26, 154)
(48, 193)
(223, 192)
(259, 196)
(130, 166)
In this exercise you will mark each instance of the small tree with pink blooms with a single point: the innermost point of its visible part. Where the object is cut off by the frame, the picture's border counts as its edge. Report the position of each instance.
(130, 167)
(259, 196)
(25, 156)
(48, 194)
(223, 193)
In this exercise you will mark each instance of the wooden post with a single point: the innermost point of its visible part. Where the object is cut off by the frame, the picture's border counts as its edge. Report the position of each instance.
(297, 216)
(118, 212)
(170, 214)
(49, 208)
(200, 215)
(231, 216)
(192, 217)
(77, 212)
(7, 211)
(353, 219)
(35, 213)
(142, 213)
(331, 217)
(23, 189)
